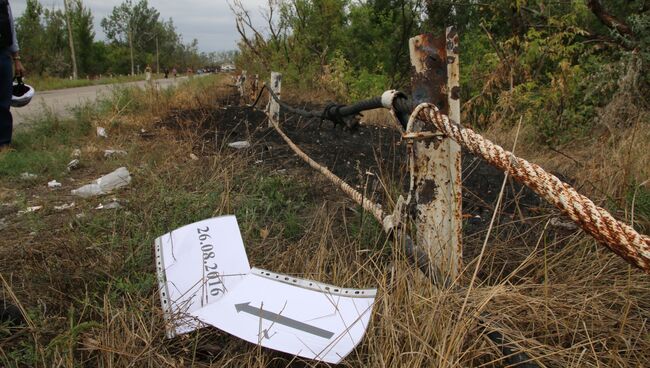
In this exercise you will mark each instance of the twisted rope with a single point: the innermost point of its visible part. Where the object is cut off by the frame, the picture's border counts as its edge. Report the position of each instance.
(364, 202)
(619, 237)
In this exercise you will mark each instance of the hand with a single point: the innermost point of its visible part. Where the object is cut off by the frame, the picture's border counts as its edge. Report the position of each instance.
(19, 68)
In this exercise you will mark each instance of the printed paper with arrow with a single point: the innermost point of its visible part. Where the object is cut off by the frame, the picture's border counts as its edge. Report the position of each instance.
(293, 315)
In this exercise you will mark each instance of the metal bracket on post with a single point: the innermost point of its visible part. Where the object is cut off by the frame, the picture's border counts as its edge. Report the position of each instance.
(273, 108)
(436, 167)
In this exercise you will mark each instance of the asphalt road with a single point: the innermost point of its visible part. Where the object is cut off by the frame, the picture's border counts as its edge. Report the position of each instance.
(61, 100)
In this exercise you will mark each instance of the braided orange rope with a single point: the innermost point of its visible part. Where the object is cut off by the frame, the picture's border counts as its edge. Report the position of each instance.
(621, 238)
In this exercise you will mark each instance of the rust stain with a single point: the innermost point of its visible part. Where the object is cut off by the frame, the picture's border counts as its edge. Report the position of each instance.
(427, 191)
(455, 93)
(431, 51)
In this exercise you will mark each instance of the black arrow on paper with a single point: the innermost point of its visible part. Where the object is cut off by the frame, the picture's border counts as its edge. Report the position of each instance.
(280, 319)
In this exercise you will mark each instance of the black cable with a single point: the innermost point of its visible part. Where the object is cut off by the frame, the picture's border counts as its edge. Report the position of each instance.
(293, 110)
(259, 95)
(338, 113)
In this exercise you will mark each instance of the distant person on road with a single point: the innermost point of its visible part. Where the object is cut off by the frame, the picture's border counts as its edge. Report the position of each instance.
(174, 72)
(190, 72)
(147, 73)
(166, 71)
(8, 52)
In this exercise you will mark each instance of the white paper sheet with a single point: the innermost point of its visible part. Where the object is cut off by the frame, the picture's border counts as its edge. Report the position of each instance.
(190, 273)
(205, 278)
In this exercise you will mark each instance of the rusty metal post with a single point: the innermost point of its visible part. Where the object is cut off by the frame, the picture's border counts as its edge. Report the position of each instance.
(436, 207)
(273, 108)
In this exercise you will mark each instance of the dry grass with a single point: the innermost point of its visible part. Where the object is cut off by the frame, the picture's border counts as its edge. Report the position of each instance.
(612, 168)
(88, 283)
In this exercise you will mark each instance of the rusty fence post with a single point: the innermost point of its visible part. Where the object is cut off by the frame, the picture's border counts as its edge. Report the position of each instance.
(273, 108)
(437, 161)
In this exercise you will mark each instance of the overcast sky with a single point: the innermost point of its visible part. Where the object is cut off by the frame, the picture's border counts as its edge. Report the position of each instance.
(209, 21)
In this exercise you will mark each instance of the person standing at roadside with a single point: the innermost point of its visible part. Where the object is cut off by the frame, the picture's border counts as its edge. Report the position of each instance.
(8, 52)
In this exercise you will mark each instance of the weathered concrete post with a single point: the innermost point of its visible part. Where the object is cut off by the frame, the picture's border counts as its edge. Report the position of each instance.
(437, 175)
(273, 108)
(242, 84)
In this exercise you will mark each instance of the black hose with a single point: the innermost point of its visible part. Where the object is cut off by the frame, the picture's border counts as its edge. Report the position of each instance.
(259, 95)
(338, 113)
(304, 113)
(365, 105)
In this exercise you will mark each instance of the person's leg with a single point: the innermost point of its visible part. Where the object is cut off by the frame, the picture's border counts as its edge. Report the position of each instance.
(6, 81)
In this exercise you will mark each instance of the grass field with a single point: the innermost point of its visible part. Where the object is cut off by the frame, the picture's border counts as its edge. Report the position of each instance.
(84, 279)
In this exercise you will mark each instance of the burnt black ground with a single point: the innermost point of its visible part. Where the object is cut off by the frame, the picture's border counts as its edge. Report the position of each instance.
(374, 150)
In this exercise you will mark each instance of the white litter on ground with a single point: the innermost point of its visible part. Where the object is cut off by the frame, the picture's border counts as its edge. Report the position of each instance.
(64, 207)
(239, 145)
(30, 210)
(28, 176)
(101, 132)
(114, 153)
(74, 164)
(109, 206)
(53, 184)
(104, 185)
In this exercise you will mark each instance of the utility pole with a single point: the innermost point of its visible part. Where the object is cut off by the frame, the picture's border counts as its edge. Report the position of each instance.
(75, 73)
(157, 56)
(130, 34)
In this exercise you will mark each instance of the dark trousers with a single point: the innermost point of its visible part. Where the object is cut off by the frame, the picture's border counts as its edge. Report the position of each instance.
(6, 86)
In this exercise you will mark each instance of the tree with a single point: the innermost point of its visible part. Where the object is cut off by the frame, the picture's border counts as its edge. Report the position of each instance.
(131, 25)
(30, 33)
(83, 35)
(54, 53)
(393, 22)
(169, 43)
(95, 58)
(57, 39)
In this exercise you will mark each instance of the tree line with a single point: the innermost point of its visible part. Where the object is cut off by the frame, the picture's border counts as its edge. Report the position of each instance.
(63, 42)
(558, 63)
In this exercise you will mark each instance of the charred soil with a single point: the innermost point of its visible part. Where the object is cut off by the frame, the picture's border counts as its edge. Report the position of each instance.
(372, 159)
